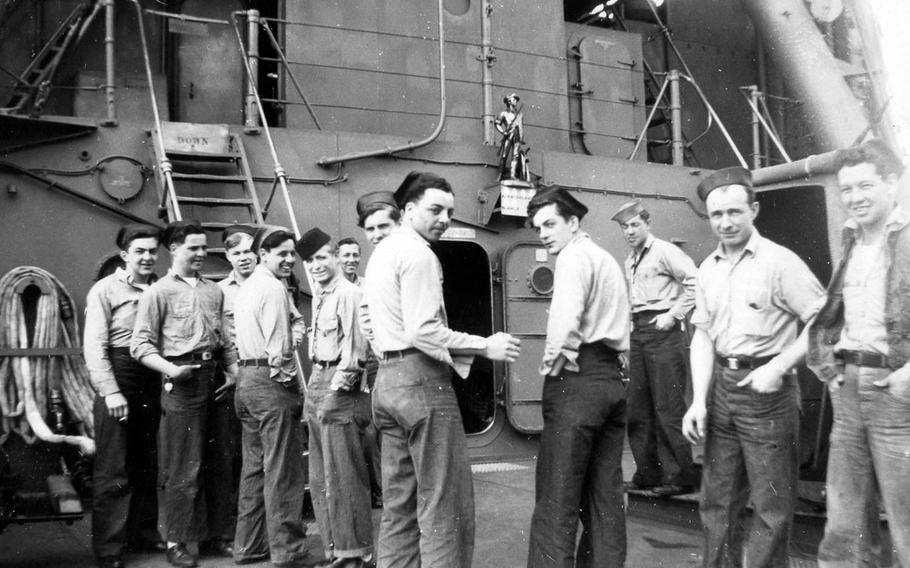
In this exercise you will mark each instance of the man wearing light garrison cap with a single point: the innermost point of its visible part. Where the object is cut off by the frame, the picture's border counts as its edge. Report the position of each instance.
(579, 471)
(661, 280)
(750, 296)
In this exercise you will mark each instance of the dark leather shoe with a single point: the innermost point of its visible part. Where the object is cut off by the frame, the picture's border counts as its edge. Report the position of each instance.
(216, 547)
(633, 486)
(110, 562)
(671, 489)
(180, 556)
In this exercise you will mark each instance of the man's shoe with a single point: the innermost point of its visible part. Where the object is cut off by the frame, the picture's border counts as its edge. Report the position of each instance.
(633, 486)
(216, 547)
(110, 562)
(180, 556)
(671, 489)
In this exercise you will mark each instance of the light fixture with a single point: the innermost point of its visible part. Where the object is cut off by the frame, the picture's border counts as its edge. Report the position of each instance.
(596, 9)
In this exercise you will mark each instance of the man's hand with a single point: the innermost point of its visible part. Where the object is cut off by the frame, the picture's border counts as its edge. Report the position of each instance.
(230, 381)
(765, 379)
(897, 382)
(117, 406)
(343, 381)
(663, 321)
(183, 372)
(502, 347)
(694, 422)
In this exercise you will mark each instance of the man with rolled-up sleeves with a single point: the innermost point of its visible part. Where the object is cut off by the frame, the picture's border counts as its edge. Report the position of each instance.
(751, 294)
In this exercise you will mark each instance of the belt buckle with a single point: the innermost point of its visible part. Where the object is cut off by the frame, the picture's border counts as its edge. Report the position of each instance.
(206, 356)
(733, 363)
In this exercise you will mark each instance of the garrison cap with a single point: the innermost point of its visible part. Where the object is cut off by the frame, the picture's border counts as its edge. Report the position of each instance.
(368, 200)
(566, 202)
(311, 242)
(179, 228)
(728, 176)
(234, 229)
(417, 182)
(262, 233)
(628, 211)
(128, 233)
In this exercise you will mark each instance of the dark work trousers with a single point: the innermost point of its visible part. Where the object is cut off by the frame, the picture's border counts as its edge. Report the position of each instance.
(269, 512)
(427, 490)
(125, 503)
(222, 465)
(579, 468)
(657, 388)
(339, 480)
(751, 453)
(182, 440)
(371, 438)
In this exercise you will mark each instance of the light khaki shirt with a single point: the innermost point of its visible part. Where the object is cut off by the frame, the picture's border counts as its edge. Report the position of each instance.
(264, 323)
(590, 303)
(335, 334)
(403, 293)
(110, 315)
(661, 278)
(750, 305)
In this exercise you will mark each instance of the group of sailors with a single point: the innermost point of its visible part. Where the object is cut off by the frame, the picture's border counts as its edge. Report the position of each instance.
(182, 359)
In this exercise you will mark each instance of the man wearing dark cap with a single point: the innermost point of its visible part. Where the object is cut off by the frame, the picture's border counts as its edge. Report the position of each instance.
(337, 409)
(179, 333)
(579, 467)
(268, 403)
(127, 407)
(750, 295)
(428, 497)
(860, 345)
(377, 215)
(661, 280)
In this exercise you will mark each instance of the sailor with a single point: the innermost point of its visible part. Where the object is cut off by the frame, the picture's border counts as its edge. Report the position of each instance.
(127, 407)
(859, 345)
(661, 280)
(750, 295)
(428, 498)
(223, 455)
(337, 409)
(179, 334)
(579, 467)
(348, 253)
(268, 404)
(377, 215)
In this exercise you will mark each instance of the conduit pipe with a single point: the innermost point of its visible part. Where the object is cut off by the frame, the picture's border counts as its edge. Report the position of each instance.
(325, 162)
(486, 60)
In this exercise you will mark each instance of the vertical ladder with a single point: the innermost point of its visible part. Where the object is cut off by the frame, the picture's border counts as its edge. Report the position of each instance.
(209, 176)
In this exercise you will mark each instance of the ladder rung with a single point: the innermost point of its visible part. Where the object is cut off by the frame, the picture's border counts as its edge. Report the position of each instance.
(216, 250)
(214, 201)
(207, 177)
(200, 156)
(215, 225)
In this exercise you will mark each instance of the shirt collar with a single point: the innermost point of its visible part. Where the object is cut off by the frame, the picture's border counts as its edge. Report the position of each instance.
(896, 221)
(751, 246)
(410, 233)
(175, 276)
(232, 279)
(331, 285)
(124, 276)
(633, 254)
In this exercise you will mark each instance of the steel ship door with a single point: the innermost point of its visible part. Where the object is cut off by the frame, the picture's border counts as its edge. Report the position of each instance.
(527, 276)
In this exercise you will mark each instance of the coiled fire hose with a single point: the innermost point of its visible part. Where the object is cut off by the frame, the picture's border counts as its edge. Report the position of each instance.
(55, 364)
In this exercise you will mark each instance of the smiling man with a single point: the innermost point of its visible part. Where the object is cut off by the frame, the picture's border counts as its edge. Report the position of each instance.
(337, 409)
(859, 345)
(579, 467)
(377, 215)
(750, 296)
(268, 405)
(661, 280)
(179, 334)
(348, 253)
(428, 496)
(127, 405)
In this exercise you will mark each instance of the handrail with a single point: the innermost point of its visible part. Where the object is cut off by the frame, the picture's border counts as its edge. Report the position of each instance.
(442, 111)
(756, 112)
(287, 68)
(164, 164)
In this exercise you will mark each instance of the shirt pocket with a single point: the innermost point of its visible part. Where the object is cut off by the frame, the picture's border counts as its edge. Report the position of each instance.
(752, 314)
(327, 324)
(181, 319)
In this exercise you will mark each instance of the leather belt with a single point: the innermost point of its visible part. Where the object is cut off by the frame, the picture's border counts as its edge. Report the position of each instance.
(738, 362)
(386, 355)
(253, 362)
(862, 359)
(194, 357)
(325, 364)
